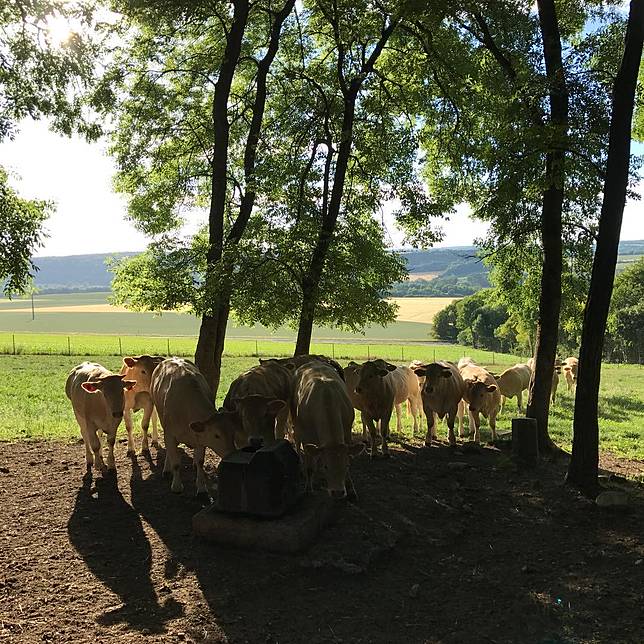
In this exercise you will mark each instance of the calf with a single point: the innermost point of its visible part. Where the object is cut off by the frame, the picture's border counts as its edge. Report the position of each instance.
(323, 416)
(569, 369)
(140, 368)
(443, 388)
(97, 397)
(184, 403)
(512, 382)
(381, 386)
(482, 395)
(261, 397)
(352, 377)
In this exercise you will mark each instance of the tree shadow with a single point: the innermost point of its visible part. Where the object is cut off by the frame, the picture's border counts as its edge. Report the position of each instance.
(614, 407)
(107, 532)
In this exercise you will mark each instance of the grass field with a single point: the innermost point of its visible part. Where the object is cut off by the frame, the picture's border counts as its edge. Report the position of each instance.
(34, 405)
(85, 313)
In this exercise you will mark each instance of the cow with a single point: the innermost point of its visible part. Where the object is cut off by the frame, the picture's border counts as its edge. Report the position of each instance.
(555, 377)
(482, 396)
(421, 381)
(185, 406)
(512, 382)
(306, 358)
(569, 369)
(442, 391)
(261, 396)
(97, 397)
(323, 416)
(140, 368)
(381, 386)
(351, 378)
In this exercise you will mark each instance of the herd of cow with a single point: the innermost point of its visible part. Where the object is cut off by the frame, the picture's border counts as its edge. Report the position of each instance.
(311, 399)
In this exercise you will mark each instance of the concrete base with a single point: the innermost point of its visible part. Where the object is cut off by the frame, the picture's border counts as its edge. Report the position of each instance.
(293, 532)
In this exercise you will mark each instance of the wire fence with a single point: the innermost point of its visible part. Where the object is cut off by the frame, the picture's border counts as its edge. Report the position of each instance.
(123, 345)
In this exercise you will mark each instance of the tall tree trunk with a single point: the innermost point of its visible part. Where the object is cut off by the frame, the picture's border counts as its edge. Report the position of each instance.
(212, 331)
(311, 280)
(551, 228)
(582, 469)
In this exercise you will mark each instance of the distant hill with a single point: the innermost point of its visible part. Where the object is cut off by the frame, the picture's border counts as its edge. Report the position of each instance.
(453, 271)
(74, 273)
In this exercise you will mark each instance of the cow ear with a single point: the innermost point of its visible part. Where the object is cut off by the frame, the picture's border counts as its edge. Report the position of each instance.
(382, 372)
(390, 367)
(128, 384)
(446, 373)
(89, 387)
(197, 426)
(312, 450)
(355, 449)
(491, 388)
(352, 364)
(289, 365)
(129, 361)
(274, 407)
(420, 371)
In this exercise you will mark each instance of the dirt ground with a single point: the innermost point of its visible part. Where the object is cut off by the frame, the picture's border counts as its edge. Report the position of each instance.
(443, 546)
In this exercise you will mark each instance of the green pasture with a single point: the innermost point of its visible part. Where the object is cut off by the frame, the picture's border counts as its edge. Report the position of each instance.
(33, 402)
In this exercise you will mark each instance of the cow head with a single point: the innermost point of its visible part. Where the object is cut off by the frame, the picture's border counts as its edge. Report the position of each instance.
(140, 368)
(218, 431)
(478, 391)
(370, 374)
(433, 374)
(257, 415)
(112, 387)
(334, 462)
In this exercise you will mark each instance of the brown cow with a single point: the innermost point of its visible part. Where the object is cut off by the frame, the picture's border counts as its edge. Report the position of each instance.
(97, 397)
(352, 378)
(187, 413)
(323, 416)
(482, 396)
(512, 382)
(140, 368)
(261, 396)
(442, 391)
(569, 369)
(555, 376)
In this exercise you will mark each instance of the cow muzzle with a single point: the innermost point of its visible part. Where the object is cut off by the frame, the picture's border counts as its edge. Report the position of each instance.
(338, 494)
(117, 414)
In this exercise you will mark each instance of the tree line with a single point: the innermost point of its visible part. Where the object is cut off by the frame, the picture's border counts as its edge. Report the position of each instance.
(284, 129)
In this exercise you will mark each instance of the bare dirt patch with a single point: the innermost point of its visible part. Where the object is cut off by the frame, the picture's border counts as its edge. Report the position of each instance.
(420, 309)
(443, 546)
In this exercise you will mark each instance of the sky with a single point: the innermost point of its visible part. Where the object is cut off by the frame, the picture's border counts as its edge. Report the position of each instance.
(91, 218)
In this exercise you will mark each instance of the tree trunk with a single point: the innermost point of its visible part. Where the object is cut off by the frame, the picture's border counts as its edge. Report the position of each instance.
(582, 469)
(210, 346)
(551, 228)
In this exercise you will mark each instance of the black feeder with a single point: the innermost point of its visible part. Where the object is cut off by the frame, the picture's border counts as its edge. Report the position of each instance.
(260, 481)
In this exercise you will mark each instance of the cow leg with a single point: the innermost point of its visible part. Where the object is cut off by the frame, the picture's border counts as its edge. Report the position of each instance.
(431, 428)
(172, 453)
(519, 402)
(451, 417)
(155, 432)
(111, 439)
(167, 465)
(502, 403)
(384, 431)
(373, 432)
(492, 421)
(145, 426)
(95, 444)
(475, 425)
(398, 418)
(460, 412)
(127, 417)
(198, 457)
(365, 431)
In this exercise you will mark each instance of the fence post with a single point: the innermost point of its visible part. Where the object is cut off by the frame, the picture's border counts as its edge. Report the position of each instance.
(120, 348)
(368, 353)
(69, 347)
(13, 337)
(256, 349)
(333, 350)
(168, 339)
(434, 354)
(402, 353)
(493, 357)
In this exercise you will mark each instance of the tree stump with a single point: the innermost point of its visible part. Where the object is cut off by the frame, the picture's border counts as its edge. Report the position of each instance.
(525, 441)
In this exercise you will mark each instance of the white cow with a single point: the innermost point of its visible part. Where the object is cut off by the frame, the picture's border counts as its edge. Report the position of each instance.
(187, 413)
(97, 397)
